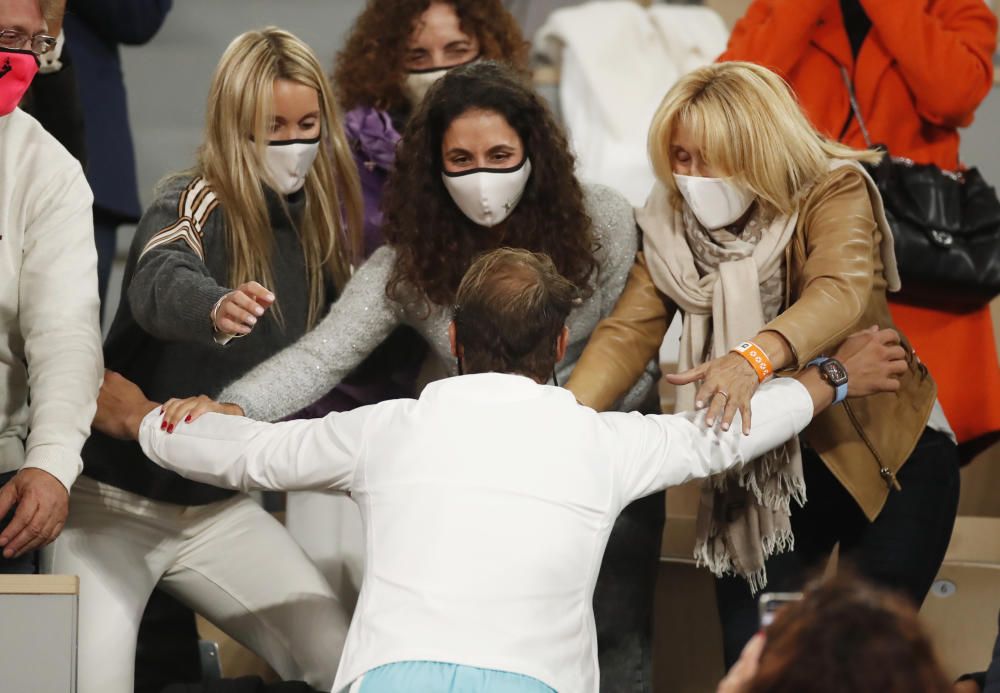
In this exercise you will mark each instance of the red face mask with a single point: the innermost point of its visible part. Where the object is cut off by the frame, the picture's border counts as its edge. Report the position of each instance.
(17, 69)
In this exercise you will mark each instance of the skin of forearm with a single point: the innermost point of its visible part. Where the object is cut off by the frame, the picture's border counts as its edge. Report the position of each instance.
(135, 417)
(820, 391)
(776, 348)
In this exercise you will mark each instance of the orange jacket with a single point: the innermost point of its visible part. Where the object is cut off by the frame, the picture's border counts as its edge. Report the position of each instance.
(921, 72)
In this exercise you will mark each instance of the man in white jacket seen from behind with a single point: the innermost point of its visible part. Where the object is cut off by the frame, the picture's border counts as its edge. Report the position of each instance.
(50, 339)
(487, 502)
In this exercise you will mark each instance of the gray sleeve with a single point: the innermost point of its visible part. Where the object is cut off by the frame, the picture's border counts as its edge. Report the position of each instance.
(614, 219)
(300, 374)
(171, 292)
(618, 234)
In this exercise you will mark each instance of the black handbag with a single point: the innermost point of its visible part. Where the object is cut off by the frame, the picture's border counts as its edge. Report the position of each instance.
(945, 226)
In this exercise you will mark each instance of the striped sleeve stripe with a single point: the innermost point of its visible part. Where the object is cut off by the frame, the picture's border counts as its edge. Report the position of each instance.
(195, 204)
(182, 230)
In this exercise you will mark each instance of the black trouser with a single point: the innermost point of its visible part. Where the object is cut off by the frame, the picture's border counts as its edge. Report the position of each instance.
(902, 549)
(623, 597)
(167, 645)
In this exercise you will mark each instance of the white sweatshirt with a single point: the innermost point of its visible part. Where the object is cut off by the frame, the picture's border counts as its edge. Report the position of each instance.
(486, 504)
(50, 337)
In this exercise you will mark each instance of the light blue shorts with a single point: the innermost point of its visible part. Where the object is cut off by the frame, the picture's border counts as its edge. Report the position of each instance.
(438, 677)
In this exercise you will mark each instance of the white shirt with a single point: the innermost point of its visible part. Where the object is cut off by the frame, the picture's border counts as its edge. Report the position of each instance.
(487, 504)
(50, 336)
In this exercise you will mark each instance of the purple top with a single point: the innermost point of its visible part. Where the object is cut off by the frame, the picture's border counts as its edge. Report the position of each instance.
(373, 139)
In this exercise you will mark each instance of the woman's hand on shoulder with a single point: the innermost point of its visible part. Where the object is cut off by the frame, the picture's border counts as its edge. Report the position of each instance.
(727, 385)
(237, 312)
(189, 409)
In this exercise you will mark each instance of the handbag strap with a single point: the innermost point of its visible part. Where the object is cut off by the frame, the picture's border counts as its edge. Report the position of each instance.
(854, 105)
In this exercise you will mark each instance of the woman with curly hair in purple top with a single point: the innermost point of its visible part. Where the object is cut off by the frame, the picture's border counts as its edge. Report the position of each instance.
(394, 52)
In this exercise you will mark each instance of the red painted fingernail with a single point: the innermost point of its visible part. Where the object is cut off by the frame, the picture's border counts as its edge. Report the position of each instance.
(170, 428)
(188, 418)
(163, 426)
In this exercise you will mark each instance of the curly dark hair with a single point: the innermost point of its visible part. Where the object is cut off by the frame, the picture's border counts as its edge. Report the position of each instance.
(369, 70)
(434, 241)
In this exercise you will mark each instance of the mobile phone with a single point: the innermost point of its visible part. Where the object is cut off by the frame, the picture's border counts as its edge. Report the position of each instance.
(771, 603)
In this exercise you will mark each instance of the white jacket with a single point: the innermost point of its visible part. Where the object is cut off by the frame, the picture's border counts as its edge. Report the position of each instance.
(50, 337)
(486, 504)
(617, 62)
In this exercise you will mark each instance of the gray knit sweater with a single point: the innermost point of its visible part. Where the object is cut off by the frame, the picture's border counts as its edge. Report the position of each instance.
(162, 336)
(364, 316)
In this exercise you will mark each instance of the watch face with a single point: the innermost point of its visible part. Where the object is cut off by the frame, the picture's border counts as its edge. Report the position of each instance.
(833, 372)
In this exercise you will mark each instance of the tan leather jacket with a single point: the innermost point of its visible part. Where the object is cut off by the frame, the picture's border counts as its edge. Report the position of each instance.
(835, 287)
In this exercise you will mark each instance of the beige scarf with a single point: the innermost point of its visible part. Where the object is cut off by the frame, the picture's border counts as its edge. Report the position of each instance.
(728, 288)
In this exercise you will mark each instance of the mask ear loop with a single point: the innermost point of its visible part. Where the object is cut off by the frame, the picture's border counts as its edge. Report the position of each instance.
(555, 380)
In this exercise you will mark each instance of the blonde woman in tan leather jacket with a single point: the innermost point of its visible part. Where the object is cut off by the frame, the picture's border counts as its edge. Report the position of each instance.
(761, 231)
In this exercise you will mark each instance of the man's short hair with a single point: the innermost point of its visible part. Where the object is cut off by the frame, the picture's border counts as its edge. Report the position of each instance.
(510, 309)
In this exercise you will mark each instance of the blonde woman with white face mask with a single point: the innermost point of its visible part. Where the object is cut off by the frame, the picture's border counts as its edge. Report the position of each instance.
(234, 260)
(772, 243)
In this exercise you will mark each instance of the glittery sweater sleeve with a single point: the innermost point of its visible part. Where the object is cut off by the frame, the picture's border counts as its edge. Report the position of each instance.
(300, 374)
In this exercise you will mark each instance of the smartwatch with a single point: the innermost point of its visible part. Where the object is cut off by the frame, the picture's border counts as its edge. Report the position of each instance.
(833, 372)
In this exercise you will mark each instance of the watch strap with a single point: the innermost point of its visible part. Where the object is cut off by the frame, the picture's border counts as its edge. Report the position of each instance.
(840, 391)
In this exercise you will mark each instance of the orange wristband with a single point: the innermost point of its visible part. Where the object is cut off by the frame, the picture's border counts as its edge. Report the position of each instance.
(756, 357)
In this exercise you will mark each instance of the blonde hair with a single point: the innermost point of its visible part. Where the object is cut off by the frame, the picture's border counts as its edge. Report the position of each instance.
(231, 158)
(751, 128)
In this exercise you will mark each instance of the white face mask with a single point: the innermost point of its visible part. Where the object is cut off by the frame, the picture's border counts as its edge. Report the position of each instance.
(488, 195)
(418, 82)
(716, 202)
(288, 163)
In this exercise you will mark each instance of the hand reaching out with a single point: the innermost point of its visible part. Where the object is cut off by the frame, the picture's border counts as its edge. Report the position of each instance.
(237, 313)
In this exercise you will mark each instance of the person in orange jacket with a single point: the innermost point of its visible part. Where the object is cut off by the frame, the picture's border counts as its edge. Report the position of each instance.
(920, 68)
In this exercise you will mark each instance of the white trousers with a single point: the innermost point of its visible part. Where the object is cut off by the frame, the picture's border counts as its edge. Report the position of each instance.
(328, 528)
(230, 561)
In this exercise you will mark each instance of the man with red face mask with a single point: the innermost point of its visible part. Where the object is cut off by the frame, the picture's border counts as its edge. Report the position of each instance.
(50, 341)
